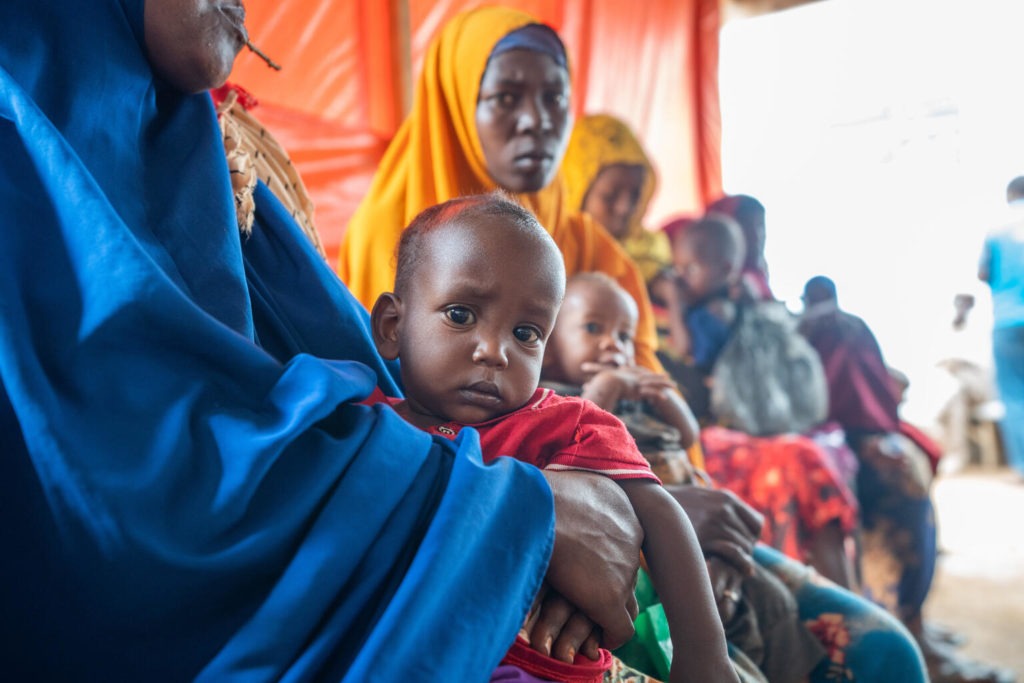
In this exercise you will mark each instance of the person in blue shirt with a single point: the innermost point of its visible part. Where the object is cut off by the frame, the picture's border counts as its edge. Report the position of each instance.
(1002, 268)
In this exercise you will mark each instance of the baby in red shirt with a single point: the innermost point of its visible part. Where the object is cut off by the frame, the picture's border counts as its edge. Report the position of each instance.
(477, 291)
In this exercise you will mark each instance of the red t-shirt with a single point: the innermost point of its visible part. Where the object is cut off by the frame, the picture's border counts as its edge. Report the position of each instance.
(559, 433)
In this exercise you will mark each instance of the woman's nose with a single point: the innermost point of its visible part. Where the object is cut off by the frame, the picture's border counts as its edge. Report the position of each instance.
(623, 206)
(534, 115)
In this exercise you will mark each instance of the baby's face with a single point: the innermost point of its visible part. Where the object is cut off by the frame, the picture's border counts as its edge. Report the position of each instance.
(697, 278)
(477, 314)
(613, 197)
(596, 325)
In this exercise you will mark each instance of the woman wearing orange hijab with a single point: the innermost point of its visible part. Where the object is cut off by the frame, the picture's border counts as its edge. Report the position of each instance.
(609, 176)
(491, 110)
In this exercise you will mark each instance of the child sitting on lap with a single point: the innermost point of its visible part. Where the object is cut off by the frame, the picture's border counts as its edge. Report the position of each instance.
(591, 354)
(477, 291)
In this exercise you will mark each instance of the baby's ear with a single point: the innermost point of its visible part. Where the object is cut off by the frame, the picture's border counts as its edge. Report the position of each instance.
(384, 319)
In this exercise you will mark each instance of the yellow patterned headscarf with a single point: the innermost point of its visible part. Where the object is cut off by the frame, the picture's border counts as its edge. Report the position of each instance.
(436, 156)
(600, 140)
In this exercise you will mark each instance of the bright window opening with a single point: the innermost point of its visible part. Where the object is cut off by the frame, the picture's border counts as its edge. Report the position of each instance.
(880, 135)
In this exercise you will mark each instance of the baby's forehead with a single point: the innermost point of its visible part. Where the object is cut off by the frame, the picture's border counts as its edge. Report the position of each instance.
(491, 245)
(486, 238)
(591, 295)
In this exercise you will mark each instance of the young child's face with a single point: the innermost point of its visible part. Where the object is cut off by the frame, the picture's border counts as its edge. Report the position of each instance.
(697, 278)
(597, 324)
(474, 321)
(613, 197)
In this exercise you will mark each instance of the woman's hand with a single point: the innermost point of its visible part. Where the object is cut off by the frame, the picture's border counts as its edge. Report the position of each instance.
(597, 551)
(557, 629)
(727, 585)
(725, 525)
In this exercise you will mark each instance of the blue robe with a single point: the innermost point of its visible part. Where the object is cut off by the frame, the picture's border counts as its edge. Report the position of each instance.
(189, 486)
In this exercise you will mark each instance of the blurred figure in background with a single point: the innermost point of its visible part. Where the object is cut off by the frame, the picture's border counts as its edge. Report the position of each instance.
(1002, 268)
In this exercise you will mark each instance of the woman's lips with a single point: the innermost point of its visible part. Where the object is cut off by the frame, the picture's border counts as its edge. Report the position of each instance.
(533, 160)
(235, 16)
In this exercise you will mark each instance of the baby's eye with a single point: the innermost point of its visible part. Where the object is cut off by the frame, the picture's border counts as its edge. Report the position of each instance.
(460, 315)
(625, 337)
(527, 335)
(592, 328)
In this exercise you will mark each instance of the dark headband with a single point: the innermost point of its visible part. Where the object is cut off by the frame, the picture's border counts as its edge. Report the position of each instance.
(535, 37)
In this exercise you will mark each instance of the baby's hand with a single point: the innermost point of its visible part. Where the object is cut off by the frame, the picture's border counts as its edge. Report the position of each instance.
(610, 385)
(654, 386)
(631, 383)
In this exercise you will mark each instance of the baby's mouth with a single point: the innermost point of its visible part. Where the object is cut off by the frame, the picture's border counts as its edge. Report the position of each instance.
(482, 392)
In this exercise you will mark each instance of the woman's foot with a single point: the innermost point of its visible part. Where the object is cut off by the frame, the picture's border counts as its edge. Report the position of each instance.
(943, 635)
(950, 667)
(945, 665)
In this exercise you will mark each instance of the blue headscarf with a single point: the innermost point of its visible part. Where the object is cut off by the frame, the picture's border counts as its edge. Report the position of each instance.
(536, 38)
(189, 487)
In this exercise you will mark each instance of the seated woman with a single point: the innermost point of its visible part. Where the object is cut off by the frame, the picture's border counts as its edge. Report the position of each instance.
(491, 110)
(772, 610)
(191, 487)
(810, 510)
(894, 475)
(609, 176)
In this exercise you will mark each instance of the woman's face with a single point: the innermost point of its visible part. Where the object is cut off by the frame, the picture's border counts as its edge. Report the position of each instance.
(613, 197)
(192, 44)
(522, 118)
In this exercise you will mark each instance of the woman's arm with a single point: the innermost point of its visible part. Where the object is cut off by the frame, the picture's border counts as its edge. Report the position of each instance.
(597, 551)
(681, 579)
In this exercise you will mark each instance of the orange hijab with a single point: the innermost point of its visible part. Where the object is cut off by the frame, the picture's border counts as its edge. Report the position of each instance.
(436, 156)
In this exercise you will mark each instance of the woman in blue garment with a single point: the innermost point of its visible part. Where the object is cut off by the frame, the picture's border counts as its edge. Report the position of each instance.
(190, 487)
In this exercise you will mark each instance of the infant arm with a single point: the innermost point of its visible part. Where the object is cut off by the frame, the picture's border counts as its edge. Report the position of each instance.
(611, 385)
(671, 407)
(680, 577)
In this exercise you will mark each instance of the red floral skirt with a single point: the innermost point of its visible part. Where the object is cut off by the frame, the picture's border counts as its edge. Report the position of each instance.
(787, 479)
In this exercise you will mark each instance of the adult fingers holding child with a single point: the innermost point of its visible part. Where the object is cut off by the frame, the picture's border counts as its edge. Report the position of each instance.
(557, 628)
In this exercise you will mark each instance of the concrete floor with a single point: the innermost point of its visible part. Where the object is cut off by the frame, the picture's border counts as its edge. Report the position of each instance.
(979, 585)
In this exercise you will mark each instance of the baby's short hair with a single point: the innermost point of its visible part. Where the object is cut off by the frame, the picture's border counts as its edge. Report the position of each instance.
(602, 280)
(737, 206)
(492, 204)
(717, 238)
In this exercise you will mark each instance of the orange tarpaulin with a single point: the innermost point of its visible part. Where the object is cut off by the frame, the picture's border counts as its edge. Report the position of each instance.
(348, 65)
